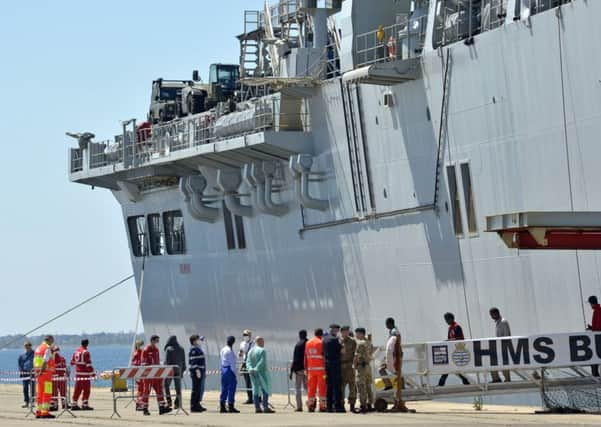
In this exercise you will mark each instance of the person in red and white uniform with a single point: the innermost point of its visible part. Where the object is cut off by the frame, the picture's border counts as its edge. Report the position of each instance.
(84, 373)
(136, 360)
(59, 383)
(151, 357)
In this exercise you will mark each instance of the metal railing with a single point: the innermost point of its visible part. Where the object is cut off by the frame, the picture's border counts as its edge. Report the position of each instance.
(397, 42)
(462, 19)
(163, 140)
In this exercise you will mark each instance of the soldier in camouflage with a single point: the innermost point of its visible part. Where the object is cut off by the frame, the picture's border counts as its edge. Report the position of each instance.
(348, 373)
(362, 364)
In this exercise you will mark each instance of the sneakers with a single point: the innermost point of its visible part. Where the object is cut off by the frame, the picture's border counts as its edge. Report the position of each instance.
(25, 405)
(75, 408)
(298, 410)
(198, 409)
(87, 408)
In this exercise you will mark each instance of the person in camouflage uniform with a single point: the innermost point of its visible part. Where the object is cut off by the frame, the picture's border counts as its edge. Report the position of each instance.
(347, 358)
(362, 364)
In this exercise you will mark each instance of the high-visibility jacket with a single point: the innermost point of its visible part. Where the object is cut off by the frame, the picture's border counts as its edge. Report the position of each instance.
(82, 361)
(38, 359)
(314, 360)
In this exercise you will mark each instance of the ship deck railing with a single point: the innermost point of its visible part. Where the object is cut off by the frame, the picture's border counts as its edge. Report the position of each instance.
(400, 41)
(463, 19)
(180, 135)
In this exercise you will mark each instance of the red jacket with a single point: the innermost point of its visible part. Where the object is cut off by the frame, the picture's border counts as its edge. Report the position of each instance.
(151, 356)
(596, 323)
(60, 365)
(136, 358)
(455, 332)
(82, 361)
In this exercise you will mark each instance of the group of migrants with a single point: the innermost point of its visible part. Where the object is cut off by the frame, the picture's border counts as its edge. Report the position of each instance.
(325, 366)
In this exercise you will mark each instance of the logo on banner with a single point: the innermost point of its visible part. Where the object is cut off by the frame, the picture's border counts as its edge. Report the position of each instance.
(440, 355)
(461, 356)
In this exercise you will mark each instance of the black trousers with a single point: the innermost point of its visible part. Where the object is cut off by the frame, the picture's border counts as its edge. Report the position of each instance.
(334, 386)
(198, 387)
(178, 390)
(443, 380)
(249, 386)
(595, 370)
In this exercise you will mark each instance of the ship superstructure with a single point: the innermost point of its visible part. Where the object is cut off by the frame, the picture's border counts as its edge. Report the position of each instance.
(383, 158)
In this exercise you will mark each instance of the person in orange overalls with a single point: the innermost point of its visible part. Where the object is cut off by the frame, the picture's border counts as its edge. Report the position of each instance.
(59, 383)
(43, 365)
(316, 371)
(136, 360)
(84, 373)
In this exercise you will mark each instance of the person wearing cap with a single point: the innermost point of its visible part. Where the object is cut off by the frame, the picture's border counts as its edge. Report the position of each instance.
(198, 373)
(59, 383)
(228, 377)
(26, 372)
(332, 355)
(347, 355)
(245, 346)
(362, 365)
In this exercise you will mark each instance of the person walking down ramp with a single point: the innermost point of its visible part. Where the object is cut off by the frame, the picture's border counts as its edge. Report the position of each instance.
(455, 333)
(228, 377)
(256, 363)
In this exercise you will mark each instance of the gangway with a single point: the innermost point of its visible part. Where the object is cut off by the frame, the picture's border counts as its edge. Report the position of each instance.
(545, 364)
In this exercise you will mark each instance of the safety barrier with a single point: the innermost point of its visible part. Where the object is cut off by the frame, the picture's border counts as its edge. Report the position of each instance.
(135, 374)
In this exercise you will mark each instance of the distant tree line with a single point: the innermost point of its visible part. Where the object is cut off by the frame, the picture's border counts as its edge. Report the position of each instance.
(101, 338)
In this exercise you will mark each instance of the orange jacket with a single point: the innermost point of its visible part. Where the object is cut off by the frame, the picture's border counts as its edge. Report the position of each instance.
(38, 360)
(314, 360)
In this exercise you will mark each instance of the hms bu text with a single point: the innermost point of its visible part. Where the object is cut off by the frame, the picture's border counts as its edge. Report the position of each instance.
(538, 351)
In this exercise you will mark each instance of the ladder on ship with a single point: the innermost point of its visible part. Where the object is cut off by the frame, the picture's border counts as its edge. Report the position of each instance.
(444, 121)
(250, 51)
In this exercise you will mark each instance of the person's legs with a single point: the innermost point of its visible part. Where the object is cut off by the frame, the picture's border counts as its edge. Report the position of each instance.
(463, 379)
(321, 390)
(195, 396)
(26, 385)
(178, 392)
(494, 375)
(249, 392)
(231, 395)
(338, 401)
(168, 391)
(507, 375)
(330, 385)
(595, 370)
(77, 390)
(201, 390)
(443, 380)
(311, 390)
(298, 384)
(224, 386)
(265, 401)
(87, 389)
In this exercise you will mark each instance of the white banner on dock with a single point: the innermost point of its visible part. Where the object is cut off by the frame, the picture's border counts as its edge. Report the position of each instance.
(538, 351)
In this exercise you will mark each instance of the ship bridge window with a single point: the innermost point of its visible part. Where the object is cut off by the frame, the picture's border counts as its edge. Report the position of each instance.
(455, 201)
(137, 235)
(156, 235)
(173, 224)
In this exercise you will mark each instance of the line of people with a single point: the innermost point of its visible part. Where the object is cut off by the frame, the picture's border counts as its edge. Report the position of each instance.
(47, 369)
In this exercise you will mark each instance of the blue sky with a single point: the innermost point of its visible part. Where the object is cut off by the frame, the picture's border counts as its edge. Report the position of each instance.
(73, 65)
